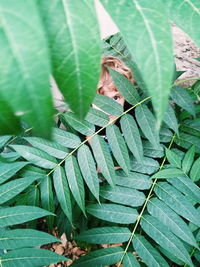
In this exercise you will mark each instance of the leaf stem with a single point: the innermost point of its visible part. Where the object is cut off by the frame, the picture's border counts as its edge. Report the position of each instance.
(89, 138)
(143, 208)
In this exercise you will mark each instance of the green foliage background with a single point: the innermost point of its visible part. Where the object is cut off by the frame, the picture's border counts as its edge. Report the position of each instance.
(151, 205)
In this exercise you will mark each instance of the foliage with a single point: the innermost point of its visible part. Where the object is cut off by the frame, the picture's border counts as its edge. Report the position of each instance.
(61, 38)
(150, 206)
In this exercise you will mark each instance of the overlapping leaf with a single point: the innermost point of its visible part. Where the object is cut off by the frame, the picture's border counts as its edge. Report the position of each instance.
(105, 235)
(118, 147)
(25, 65)
(155, 58)
(75, 58)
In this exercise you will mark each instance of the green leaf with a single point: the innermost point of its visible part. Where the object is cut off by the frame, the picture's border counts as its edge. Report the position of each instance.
(123, 195)
(9, 157)
(10, 124)
(165, 135)
(170, 119)
(25, 65)
(187, 186)
(30, 257)
(191, 127)
(62, 191)
(188, 159)
(125, 87)
(7, 170)
(31, 170)
(23, 238)
(75, 58)
(65, 138)
(82, 126)
(173, 158)
(47, 199)
(33, 199)
(185, 15)
(154, 59)
(88, 169)
(108, 105)
(147, 252)
(113, 213)
(20, 214)
(97, 117)
(130, 260)
(118, 147)
(105, 235)
(170, 256)
(151, 151)
(148, 166)
(195, 170)
(186, 141)
(52, 148)
(171, 220)
(4, 139)
(160, 233)
(133, 180)
(75, 181)
(168, 173)
(132, 136)
(36, 156)
(147, 123)
(13, 188)
(176, 201)
(103, 158)
(100, 257)
(183, 99)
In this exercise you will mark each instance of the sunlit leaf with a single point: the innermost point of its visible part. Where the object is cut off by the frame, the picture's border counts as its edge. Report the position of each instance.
(17, 238)
(154, 59)
(176, 201)
(133, 180)
(147, 252)
(75, 181)
(47, 199)
(130, 260)
(52, 148)
(125, 87)
(62, 191)
(173, 158)
(7, 170)
(170, 219)
(123, 195)
(113, 213)
(36, 156)
(147, 123)
(30, 257)
(161, 234)
(183, 99)
(65, 138)
(195, 170)
(168, 173)
(188, 159)
(132, 136)
(20, 214)
(170, 119)
(103, 158)
(105, 235)
(100, 257)
(75, 58)
(13, 188)
(108, 105)
(88, 169)
(25, 65)
(118, 147)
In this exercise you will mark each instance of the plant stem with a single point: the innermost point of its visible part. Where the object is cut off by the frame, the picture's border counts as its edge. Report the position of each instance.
(143, 208)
